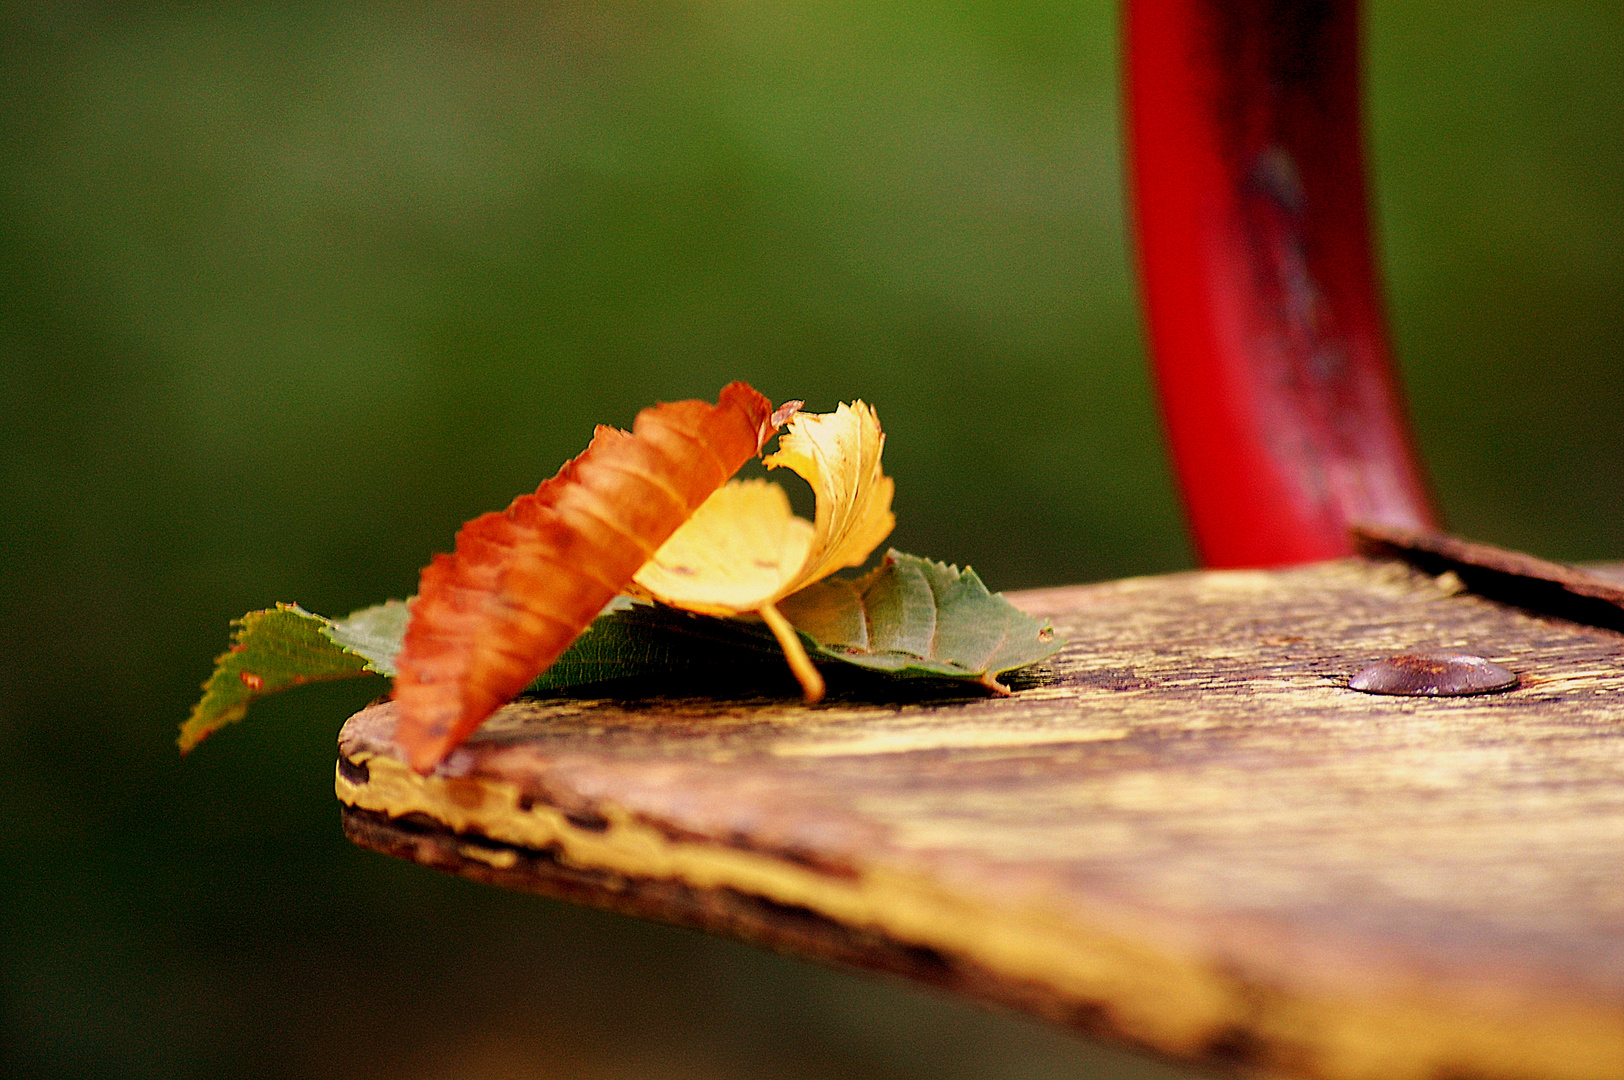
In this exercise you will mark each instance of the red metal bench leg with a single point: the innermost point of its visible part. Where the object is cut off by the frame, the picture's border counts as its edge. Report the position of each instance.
(1284, 416)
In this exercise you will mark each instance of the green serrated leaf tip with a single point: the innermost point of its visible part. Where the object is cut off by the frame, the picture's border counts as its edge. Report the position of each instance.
(271, 650)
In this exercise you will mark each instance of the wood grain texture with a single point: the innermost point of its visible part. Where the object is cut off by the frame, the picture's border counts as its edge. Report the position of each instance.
(1186, 834)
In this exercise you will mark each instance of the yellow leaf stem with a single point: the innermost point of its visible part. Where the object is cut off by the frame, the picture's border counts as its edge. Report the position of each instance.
(801, 664)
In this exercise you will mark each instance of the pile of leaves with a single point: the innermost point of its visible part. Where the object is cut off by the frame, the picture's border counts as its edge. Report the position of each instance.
(644, 557)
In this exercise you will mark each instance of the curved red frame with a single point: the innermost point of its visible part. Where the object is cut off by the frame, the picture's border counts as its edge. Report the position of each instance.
(1283, 412)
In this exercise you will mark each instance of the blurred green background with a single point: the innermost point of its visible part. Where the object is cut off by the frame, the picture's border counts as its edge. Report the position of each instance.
(289, 291)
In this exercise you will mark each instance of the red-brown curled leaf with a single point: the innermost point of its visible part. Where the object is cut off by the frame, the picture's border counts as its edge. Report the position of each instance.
(524, 583)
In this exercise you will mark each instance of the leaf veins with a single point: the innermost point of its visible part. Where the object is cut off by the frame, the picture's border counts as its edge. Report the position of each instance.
(523, 583)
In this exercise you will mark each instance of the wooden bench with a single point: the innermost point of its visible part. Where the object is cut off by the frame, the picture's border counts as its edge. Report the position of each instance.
(1185, 834)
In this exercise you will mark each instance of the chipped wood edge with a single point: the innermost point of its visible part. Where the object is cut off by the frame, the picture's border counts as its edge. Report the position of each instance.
(795, 931)
(1569, 592)
(1177, 1003)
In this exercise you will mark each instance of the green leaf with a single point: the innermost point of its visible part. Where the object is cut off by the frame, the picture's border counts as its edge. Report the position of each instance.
(374, 633)
(640, 639)
(288, 646)
(916, 617)
(909, 618)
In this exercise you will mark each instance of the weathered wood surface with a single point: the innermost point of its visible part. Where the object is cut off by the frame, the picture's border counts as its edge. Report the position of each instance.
(1188, 835)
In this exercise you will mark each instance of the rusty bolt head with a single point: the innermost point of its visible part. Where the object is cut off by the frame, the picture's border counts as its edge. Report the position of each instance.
(1434, 674)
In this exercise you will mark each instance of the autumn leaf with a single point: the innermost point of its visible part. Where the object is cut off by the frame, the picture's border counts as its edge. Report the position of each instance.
(909, 618)
(745, 547)
(523, 583)
(744, 550)
(727, 568)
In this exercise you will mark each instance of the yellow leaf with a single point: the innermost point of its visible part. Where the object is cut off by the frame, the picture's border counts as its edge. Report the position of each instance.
(744, 549)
